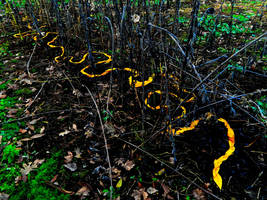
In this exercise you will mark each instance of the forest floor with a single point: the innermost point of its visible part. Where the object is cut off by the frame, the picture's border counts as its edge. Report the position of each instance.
(63, 134)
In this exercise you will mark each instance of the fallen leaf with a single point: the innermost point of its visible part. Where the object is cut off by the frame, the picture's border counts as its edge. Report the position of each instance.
(199, 194)
(34, 121)
(83, 191)
(151, 190)
(129, 165)
(160, 172)
(54, 178)
(78, 153)
(1, 139)
(22, 130)
(71, 166)
(27, 168)
(25, 139)
(88, 133)
(37, 136)
(42, 129)
(38, 161)
(74, 126)
(28, 102)
(31, 127)
(166, 189)
(119, 184)
(64, 133)
(69, 157)
(27, 81)
(2, 96)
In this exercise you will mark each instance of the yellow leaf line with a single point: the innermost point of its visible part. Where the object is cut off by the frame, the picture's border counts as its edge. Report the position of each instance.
(217, 162)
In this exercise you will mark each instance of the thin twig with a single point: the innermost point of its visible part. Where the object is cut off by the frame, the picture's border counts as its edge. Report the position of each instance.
(29, 61)
(105, 139)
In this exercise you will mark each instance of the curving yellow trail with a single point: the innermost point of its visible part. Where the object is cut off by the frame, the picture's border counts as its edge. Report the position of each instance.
(217, 162)
(135, 83)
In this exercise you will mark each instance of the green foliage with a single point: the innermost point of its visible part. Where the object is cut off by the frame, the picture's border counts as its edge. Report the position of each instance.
(107, 192)
(9, 153)
(23, 91)
(4, 50)
(107, 114)
(4, 85)
(34, 187)
(7, 177)
(7, 102)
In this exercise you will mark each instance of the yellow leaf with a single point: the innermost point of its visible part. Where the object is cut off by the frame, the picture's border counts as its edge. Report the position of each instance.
(119, 184)
(160, 172)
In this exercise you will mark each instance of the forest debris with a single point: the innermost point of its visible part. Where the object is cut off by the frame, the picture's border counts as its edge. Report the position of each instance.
(71, 166)
(64, 133)
(199, 194)
(151, 190)
(129, 165)
(69, 157)
(83, 191)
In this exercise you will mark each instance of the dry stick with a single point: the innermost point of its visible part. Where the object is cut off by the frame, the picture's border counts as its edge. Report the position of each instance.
(36, 95)
(74, 90)
(163, 163)
(29, 61)
(217, 68)
(105, 139)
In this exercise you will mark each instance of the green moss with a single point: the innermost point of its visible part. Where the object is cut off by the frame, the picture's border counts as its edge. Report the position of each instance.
(4, 85)
(9, 153)
(34, 188)
(23, 91)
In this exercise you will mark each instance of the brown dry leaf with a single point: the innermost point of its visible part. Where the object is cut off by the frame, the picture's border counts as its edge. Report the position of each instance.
(1, 139)
(27, 81)
(31, 127)
(54, 178)
(69, 157)
(199, 194)
(74, 127)
(61, 117)
(28, 102)
(129, 165)
(83, 191)
(2, 96)
(166, 189)
(137, 194)
(25, 139)
(38, 161)
(64, 133)
(37, 136)
(169, 197)
(28, 168)
(22, 130)
(35, 121)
